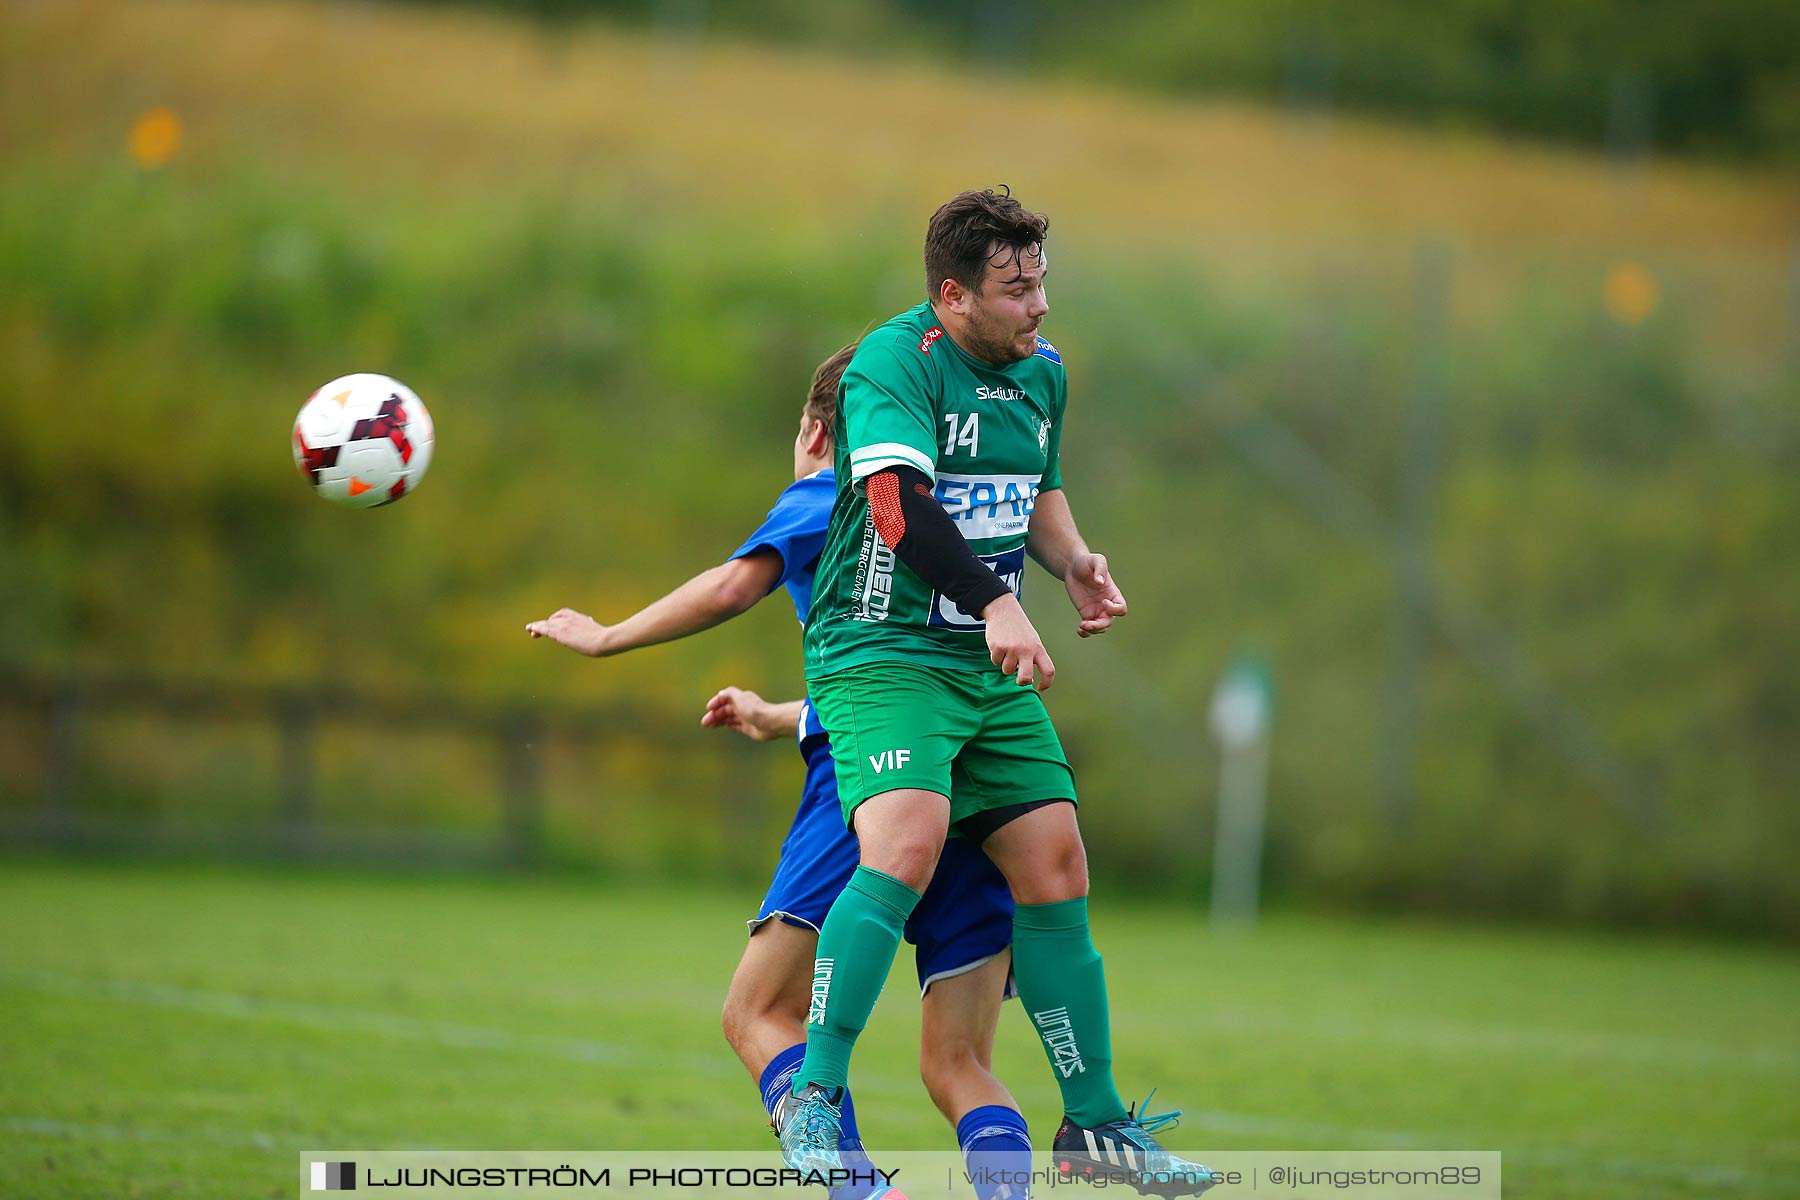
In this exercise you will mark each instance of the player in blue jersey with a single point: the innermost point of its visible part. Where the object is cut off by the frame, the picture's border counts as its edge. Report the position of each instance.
(962, 929)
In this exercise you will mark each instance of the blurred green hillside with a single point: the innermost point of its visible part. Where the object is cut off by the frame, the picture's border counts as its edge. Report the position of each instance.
(609, 261)
(1714, 76)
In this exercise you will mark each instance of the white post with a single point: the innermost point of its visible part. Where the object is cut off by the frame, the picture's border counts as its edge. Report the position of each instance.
(1240, 721)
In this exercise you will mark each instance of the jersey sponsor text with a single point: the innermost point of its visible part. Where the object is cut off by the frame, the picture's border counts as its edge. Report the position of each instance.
(988, 506)
(874, 576)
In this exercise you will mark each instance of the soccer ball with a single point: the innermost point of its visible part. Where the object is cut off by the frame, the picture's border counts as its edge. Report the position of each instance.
(363, 440)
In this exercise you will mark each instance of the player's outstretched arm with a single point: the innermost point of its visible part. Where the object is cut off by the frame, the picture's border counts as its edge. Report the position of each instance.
(751, 715)
(709, 598)
(1057, 546)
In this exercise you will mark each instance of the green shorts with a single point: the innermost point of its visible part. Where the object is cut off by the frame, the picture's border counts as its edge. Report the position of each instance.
(974, 736)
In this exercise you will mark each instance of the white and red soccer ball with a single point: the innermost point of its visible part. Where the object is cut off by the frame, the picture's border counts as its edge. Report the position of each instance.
(363, 440)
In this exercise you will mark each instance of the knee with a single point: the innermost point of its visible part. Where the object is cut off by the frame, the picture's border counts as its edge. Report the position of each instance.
(1071, 869)
(910, 860)
(1058, 873)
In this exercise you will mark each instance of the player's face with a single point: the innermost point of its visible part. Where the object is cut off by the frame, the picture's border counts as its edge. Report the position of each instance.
(1004, 315)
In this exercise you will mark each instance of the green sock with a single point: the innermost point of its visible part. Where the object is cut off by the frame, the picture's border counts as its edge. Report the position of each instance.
(1063, 987)
(856, 949)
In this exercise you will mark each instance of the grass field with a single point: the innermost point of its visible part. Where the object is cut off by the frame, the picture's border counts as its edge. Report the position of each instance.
(182, 1032)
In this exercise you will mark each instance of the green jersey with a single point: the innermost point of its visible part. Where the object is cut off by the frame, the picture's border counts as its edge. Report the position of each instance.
(987, 437)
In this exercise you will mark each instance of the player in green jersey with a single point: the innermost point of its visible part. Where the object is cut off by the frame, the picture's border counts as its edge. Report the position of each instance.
(947, 477)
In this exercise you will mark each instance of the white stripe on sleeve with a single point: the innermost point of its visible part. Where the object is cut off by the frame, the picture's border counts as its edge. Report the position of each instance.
(867, 460)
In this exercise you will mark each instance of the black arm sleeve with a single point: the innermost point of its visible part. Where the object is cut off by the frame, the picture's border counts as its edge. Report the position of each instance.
(924, 537)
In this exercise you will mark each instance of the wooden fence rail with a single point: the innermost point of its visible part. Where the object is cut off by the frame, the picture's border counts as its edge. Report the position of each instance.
(63, 707)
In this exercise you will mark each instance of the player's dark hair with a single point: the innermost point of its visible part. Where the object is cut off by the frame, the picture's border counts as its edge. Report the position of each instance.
(821, 398)
(965, 231)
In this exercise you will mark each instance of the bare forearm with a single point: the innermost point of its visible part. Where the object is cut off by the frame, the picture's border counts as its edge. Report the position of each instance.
(702, 602)
(1054, 541)
(706, 600)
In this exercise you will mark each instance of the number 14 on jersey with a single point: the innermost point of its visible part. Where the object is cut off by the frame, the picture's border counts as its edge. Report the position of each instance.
(962, 433)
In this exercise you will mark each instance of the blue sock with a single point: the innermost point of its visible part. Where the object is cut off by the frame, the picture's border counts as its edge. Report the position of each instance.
(779, 1075)
(778, 1078)
(996, 1143)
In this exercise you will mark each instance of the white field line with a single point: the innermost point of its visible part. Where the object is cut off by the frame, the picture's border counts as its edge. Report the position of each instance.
(335, 1019)
(1435, 1034)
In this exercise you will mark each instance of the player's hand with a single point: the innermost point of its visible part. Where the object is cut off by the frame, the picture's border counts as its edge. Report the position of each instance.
(1094, 594)
(578, 631)
(1014, 645)
(747, 713)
